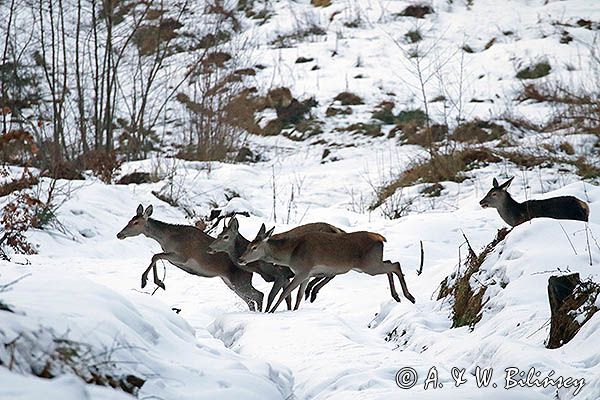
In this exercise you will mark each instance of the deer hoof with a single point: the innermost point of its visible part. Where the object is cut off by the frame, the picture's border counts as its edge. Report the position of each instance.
(160, 285)
(144, 282)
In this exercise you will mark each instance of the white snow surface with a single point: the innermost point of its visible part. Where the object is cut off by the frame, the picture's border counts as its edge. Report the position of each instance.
(84, 285)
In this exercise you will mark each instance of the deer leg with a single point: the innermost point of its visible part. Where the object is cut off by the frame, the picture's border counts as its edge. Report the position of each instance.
(310, 286)
(241, 283)
(279, 284)
(288, 302)
(396, 269)
(173, 258)
(324, 281)
(300, 294)
(145, 275)
(393, 287)
(298, 279)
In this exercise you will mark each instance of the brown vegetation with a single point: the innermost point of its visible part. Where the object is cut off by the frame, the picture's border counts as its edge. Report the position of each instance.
(467, 302)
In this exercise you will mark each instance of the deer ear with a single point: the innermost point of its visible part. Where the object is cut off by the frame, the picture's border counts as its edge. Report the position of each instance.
(139, 210)
(506, 184)
(148, 212)
(234, 224)
(269, 233)
(261, 231)
(495, 183)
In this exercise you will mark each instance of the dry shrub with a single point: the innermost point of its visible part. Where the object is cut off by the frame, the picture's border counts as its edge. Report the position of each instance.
(439, 167)
(467, 304)
(320, 3)
(335, 111)
(63, 170)
(148, 38)
(373, 130)
(26, 181)
(298, 36)
(17, 147)
(349, 99)
(576, 110)
(477, 131)
(422, 136)
(20, 215)
(567, 148)
(585, 169)
(572, 304)
(104, 164)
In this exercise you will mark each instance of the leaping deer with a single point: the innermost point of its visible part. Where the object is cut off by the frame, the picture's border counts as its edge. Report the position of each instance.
(515, 213)
(323, 254)
(231, 241)
(185, 247)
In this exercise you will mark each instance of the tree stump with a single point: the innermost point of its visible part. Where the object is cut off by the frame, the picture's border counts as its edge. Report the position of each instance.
(572, 304)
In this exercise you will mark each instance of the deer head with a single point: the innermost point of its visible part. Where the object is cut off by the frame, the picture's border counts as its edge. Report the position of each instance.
(258, 248)
(497, 196)
(225, 242)
(137, 224)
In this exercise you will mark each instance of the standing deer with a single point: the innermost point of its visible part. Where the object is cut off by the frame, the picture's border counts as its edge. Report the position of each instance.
(326, 254)
(515, 213)
(230, 241)
(185, 247)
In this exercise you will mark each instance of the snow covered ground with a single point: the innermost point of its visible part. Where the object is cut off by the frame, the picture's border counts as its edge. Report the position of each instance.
(84, 285)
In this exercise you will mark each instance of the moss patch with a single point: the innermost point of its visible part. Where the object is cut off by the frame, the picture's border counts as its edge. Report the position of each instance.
(535, 71)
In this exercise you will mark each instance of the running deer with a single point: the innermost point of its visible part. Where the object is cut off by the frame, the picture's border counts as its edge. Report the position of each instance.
(515, 213)
(185, 247)
(324, 254)
(230, 241)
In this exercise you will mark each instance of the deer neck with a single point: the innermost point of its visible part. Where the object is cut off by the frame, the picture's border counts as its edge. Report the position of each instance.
(241, 243)
(280, 251)
(157, 230)
(511, 211)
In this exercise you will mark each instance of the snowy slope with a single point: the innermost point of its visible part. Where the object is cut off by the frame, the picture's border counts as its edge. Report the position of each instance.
(325, 350)
(85, 284)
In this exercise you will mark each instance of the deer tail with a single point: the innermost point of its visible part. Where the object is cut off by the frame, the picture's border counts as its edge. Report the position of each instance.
(586, 208)
(377, 237)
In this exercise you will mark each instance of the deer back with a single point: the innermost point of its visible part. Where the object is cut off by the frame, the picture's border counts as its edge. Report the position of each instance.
(563, 207)
(324, 252)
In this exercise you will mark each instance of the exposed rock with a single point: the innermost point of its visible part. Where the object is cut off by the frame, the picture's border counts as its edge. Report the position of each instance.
(135, 177)
(245, 155)
(417, 11)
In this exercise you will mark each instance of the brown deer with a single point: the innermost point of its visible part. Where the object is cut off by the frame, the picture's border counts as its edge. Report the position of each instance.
(323, 254)
(515, 213)
(185, 247)
(230, 241)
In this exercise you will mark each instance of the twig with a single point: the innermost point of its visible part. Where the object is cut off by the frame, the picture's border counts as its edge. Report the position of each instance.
(540, 328)
(471, 251)
(274, 195)
(587, 239)
(420, 270)
(6, 286)
(568, 238)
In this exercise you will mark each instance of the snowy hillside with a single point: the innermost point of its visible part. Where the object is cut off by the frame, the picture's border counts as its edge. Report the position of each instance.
(411, 119)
